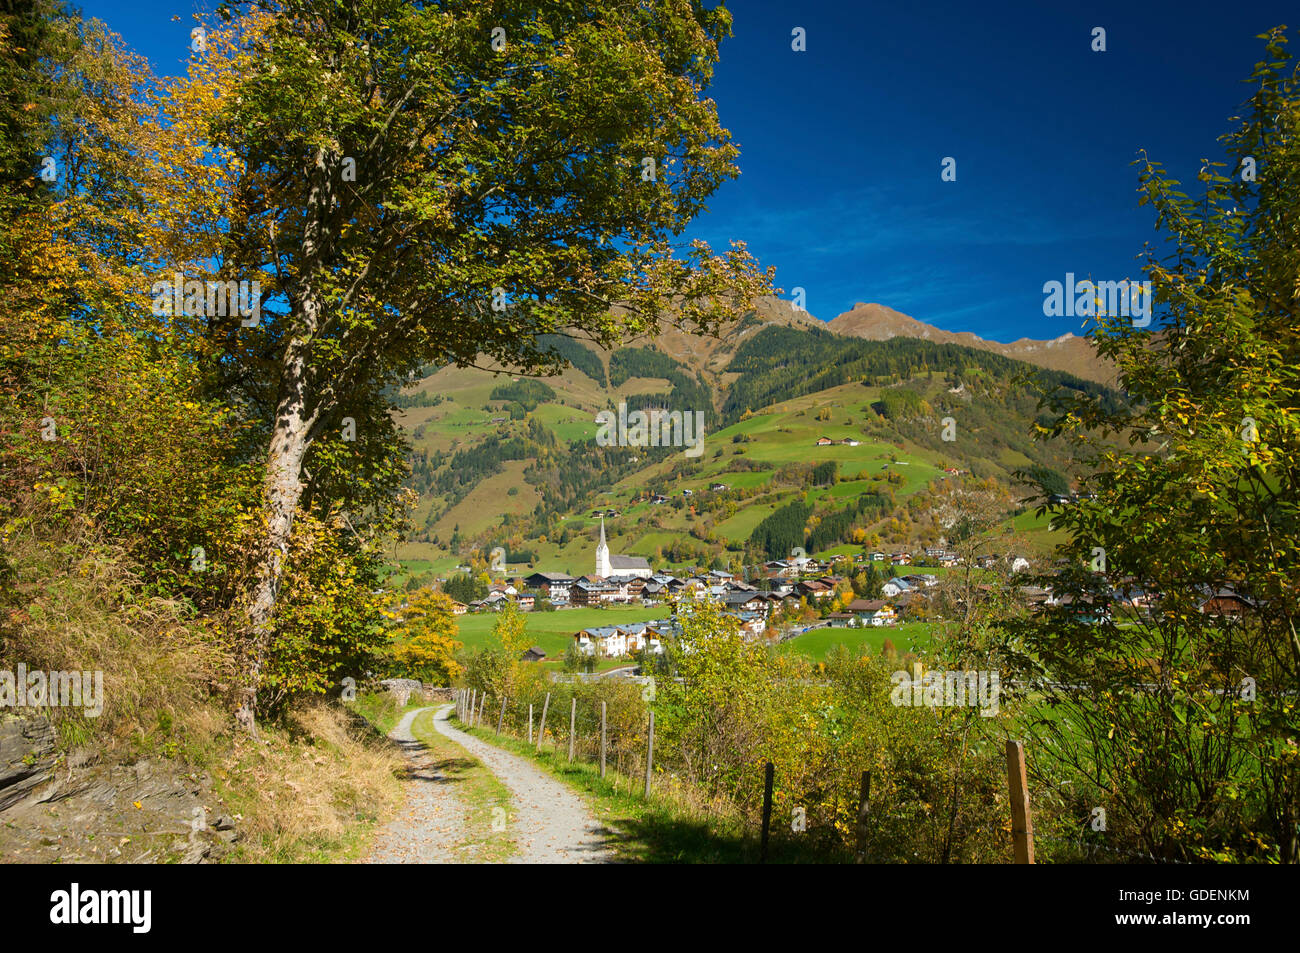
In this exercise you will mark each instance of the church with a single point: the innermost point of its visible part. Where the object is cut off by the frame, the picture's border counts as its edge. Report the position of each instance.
(607, 565)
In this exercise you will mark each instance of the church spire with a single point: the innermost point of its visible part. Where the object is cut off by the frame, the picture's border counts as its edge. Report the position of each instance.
(602, 554)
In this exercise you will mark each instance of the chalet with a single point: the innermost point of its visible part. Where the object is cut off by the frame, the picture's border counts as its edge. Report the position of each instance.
(814, 589)
(554, 585)
(780, 567)
(589, 592)
(877, 556)
(534, 654)
(850, 442)
(717, 487)
(839, 620)
(875, 612)
(635, 635)
(654, 592)
(525, 602)
(921, 579)
(617, 641)
(824, 441)
(745, 602)
(1036, 596)
(895, 586)
(752, 624)
(658, 499)
(934, 552)
(1226, 604)
(900, 559)
(605, 641)
(458, 608)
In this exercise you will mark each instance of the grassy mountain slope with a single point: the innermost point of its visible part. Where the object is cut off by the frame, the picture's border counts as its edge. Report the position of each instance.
(491, 471)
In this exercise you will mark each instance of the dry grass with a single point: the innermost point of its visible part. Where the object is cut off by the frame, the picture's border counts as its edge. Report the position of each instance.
(313, 789)
(74, 604)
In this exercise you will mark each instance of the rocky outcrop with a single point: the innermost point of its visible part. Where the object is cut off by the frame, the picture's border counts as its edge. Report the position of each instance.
(27, 759)
(82, 807)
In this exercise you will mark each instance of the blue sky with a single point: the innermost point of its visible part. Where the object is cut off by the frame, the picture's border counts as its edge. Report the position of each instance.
(841, 145)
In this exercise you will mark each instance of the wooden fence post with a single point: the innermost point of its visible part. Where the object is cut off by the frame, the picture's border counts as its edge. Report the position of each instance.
(573, 720)
(769, 773)
(649, 753)
(530, 722)
(473, 704)
(602, 739)
(478, 721)
(1022, 822)
(864, 815)
(502, 720)
(541, 728)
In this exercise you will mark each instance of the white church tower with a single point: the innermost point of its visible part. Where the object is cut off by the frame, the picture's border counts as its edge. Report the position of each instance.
(602, 554)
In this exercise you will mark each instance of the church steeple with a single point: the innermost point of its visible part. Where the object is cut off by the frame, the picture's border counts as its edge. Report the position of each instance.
(602, 553)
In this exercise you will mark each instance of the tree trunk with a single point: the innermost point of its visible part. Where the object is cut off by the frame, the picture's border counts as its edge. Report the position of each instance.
(295, 421)
(281, 491)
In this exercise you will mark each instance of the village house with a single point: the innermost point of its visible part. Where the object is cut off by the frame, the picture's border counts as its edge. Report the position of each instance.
(589, 592)
(605, 641)
(922, 579)
(824, 441)
(814, 589)
(1225, 603)
(745, 602)
(619, 641)
(780, 567)
(554, 585)
(895, 587)
(752, 624)
(875, 612)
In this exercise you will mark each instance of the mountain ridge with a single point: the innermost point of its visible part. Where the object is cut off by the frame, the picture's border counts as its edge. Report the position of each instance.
(1069, 352)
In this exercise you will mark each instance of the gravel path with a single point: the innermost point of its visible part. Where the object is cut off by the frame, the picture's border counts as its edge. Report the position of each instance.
(433, 821)
(551, 824)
